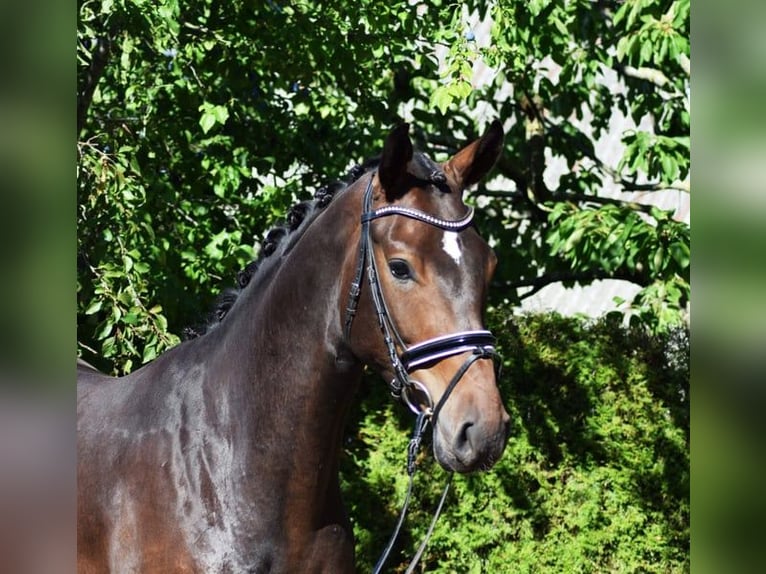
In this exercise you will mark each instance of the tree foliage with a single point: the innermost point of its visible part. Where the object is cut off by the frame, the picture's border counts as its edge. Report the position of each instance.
(198, 125)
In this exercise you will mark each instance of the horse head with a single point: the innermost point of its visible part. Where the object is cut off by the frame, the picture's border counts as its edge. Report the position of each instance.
(421, 280)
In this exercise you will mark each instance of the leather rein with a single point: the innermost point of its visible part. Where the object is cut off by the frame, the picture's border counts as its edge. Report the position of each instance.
(480, 343)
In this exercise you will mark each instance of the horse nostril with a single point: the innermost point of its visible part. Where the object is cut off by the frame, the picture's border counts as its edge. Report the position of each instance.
(463, 440)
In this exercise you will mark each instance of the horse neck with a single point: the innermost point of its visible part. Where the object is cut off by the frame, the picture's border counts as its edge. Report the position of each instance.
(279, 351)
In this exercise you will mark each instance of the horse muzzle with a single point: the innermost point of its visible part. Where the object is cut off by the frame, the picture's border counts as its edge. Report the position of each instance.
(472, 444)
(470, 424)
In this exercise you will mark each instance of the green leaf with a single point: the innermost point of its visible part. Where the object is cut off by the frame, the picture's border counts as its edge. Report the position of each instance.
(150, 353)
(104, 329)
(658, 259)
(441, 99)
(573, 239)
(212, 115)
(207, 121)
(94, 307)
(647, 49)
(108, 347)
(221, 114)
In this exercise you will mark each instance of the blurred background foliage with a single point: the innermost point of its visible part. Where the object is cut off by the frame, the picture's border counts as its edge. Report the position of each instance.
(199, 124)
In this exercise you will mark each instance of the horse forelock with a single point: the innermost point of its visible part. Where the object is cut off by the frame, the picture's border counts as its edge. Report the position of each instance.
(427, 170)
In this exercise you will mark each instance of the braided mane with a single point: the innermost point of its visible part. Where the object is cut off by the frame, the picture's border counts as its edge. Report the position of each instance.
(281, 238)
(277, 240)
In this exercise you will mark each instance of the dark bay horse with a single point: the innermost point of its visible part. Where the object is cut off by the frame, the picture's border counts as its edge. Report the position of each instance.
(222, 454)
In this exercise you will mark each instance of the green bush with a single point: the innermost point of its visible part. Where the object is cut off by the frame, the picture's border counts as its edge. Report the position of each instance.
(595, 477)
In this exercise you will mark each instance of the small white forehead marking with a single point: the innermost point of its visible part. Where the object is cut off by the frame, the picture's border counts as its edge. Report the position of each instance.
(451, 245)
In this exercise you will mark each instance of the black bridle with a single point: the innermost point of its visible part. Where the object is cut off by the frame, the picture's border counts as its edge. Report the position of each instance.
(480, 343)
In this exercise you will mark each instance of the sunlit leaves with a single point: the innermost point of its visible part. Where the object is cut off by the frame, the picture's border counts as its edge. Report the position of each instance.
(207, 124)
(211, 115)
(656, 33)
(581, 66)
(619, 242)
(457, 71)
(661, 158)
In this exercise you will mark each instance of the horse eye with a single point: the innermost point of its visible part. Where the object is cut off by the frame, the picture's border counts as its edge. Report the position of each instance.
(400, 269)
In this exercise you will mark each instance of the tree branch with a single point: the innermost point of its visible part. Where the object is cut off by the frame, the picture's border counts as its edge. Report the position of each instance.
(652, 75)
(627, 185)
(677, 185)
(537, 283)
(585, 198)
(510, 169)
(571, 196)
(99, 56)
(534, 150)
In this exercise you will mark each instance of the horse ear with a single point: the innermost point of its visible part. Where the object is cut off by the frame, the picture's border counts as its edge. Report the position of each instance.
(397, 152)
(473, 162)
